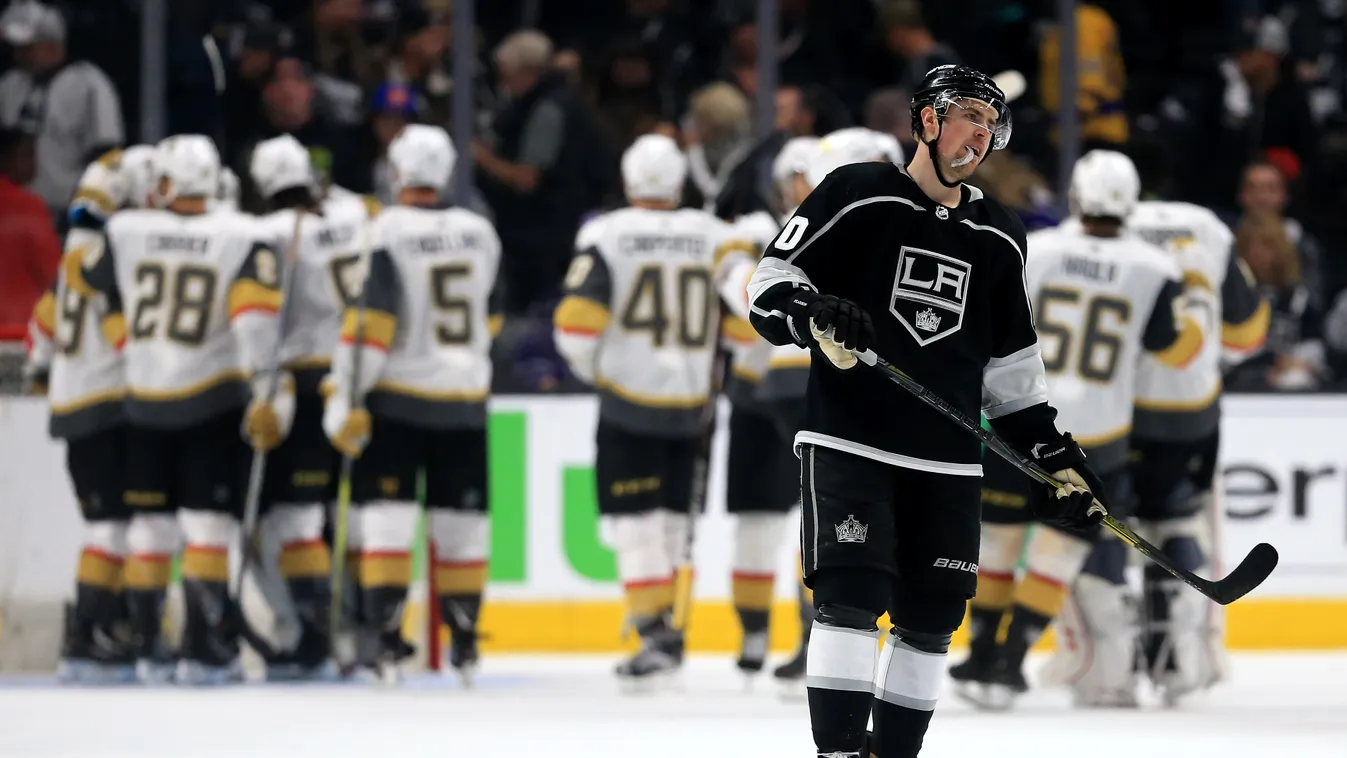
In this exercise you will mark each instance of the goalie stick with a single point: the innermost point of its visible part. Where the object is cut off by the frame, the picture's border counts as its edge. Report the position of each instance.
(252, 502)
(1250, 572)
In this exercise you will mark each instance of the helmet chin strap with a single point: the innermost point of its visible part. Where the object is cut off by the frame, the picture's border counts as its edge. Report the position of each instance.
(935, 159)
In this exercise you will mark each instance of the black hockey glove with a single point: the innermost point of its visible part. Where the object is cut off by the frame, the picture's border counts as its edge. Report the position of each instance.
(1073, 505)
(834, 327)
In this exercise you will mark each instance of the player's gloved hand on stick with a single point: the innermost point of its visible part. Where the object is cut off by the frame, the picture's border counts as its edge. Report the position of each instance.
(835, 327)
(347, 427)
(270, 414)
(1078, 503)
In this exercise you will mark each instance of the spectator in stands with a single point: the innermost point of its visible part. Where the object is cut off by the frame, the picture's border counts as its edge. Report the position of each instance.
(910, 42)
(289, 106)
(533, 170)
(1293, 358)
(421, 46)
(394, 106)
(71, 107)
(1263, 194)
(717, 132)
(1101, 79)
(631, 93)
(1241, 109)
(263, 44)
(29, 249)
(334, 43)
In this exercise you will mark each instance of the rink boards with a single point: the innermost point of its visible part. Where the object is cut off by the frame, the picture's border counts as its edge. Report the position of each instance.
(553, 581)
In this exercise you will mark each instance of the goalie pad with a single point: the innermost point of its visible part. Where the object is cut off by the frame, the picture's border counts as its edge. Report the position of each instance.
(1096, 645)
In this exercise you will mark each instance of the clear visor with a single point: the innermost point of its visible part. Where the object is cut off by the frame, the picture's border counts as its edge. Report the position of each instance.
(993, 117)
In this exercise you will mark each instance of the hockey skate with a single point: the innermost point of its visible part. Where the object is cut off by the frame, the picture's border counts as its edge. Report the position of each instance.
(656, 664)
(464, 657)
(790, 675)
(210, 642)
(988, 687)
(379, 655)
(92, 655)
(310, 661)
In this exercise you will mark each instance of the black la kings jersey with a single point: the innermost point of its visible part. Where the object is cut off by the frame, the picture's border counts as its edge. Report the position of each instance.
(945, 289)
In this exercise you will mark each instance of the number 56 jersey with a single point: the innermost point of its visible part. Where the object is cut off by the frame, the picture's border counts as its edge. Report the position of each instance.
(428, 319)
(1100, 304)
(641, 314)
(193, 299)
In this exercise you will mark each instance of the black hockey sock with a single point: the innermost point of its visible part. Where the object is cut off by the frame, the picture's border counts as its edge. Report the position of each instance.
(1025, 627)
(908, 680)
(983, 626)
(207, 636)
(902, 731)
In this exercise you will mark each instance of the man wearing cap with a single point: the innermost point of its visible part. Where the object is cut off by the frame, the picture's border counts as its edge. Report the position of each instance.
(72, 108)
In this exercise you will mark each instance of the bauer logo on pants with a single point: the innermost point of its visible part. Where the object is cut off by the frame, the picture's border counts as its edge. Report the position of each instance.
(950, 563)
(929, 290)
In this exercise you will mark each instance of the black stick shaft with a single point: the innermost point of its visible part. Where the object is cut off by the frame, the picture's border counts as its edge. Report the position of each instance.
(1212, 590)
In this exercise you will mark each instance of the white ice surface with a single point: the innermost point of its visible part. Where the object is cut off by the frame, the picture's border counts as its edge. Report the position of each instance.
(1292, 706)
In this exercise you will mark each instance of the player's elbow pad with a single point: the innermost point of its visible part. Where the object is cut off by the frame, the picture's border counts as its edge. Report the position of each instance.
(1185, 347)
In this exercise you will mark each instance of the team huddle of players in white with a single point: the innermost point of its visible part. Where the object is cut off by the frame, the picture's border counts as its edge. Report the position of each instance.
(184, 337)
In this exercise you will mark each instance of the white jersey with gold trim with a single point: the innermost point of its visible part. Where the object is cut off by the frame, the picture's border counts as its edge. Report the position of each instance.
(639, 316)
(427, 325)
(327, 268)
(194, 298)
(1202, 247)
(1100, 304)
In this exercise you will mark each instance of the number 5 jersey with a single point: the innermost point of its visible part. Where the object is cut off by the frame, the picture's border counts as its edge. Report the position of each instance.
(425, 320)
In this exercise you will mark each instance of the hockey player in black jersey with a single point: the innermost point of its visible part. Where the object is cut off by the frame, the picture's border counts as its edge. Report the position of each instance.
(929, 273)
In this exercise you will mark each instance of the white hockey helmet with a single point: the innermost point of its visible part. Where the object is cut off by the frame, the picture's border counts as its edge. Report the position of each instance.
(794, 158)
(653, 168)
(851, 145)
(227, 196)
(280, 163)
(422, 156)
(190, 163)
(1104, 183)
(889, 146)
(136, 176)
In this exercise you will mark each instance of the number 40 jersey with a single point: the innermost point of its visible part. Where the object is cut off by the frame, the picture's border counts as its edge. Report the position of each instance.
(1100, 304)
(640, 320)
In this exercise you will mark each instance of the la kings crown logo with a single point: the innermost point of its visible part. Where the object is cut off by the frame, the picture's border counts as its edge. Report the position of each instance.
(929, 290)
(852, 530)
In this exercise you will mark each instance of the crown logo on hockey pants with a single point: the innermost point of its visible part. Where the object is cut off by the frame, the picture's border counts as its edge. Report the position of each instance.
(852, 530)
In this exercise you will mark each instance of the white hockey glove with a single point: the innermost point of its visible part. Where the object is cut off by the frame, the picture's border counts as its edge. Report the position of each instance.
(346, 427)
(267, 423)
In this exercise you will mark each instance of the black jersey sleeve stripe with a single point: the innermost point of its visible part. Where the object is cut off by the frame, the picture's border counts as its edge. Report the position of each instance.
(769, 292)
(845, 210)
(1013, 383)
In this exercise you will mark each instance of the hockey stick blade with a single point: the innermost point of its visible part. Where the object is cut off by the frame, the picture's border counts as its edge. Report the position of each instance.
(1250, 572)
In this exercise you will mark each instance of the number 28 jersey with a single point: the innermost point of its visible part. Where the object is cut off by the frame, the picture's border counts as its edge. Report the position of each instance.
(639, 320)
(427, 324)
(193, 299)
(1100, 305)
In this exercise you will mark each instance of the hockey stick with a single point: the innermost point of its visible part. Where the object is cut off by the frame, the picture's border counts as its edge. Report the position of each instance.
(252, 502)
(1250, 573)
(701, 475)
(340, 529)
